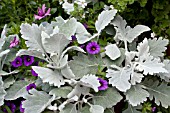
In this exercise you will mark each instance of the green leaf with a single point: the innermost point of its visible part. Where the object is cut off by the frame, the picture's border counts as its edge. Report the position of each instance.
(83, 65)
(18, 89)
(36, 101)
(107, 98)
(131, 109)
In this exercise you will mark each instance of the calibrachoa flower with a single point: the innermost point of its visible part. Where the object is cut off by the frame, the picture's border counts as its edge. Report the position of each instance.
(14, 42)
(11, 106)
(30, 86)
(17, 62)
(153, 109)
(93, 48)
(85, 25)
(42, 13)
(28, 60)
(21, 108)
(34, 73)
(104, 84)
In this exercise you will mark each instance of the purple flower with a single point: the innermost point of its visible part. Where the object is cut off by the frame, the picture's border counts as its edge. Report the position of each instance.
(34, 73)
(14, 42)
(21, 108)
(11, 106)
(73, 38)
(85, 25)
(42, 13)
(153, 109)
(104, 84)
(30, 86)
(28, 60)
(93, 48)
(17, 62)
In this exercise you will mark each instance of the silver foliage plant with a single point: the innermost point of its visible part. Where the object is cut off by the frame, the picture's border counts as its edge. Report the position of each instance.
(71, 86)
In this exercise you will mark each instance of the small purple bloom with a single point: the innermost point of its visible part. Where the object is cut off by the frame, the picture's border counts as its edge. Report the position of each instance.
(11, 106)
(104, 84)
(153, 109)
(93, 48)
(73, 38)
(14, 42)
(82, 46)
(85, 25)
(42, 13)
(30, 86)
(28, 60)
(21, 108)
(34, 73)
(17, 62)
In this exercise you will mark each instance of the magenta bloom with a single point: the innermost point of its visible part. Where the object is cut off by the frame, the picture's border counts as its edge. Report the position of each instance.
(104, 84)
(30, 86)
(42, 13)
(17, 62)
(21, 108)
(34, 73)
(28, 60)
(93, 48)
(14, 42)
(85, 25)
(153, 109)
(11, 106)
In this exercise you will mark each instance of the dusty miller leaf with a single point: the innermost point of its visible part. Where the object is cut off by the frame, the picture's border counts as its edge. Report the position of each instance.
(47, 75)
(136, 95)
(69, 28)
(91, 81)
(120, 78)
(131, 109)
(136, 78)
(112, 51)
(161, 93)
(157, 46)
(70, 108)
(83, 65)
(107, 98)
(61, 92)
(96, 109)
(37, 101)
(2, 92)
(8, 82)
(32, 35)
(104, 19)
(18, 89)
(165, 76)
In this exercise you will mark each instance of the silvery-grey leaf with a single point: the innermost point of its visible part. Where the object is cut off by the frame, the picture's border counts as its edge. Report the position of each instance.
(61, 92)
(131, 109)
(4, 31)
(82, 34)
(36, 101)
(160, 93)
(83, 38)
(107, 98)
(157, 46)
(8, 82)
(32, 35)
(59, 21)
(136, 95)
(112, 51)
(83, 65)
(69, 28)
(4, 52)
(136, 31)
(31, 53)
(165, 76)
(150, 66)
(3, 73)
(109, 111)
(120, 78)
(91, 81)
(78, 90)
(96, 109)
(136, 78)
(110, 30)
(55, 43)
(2, 41)
(67, 72)
(2, 92)
(85, 109)
(47, 75)
(117, 62)
(18, 89)
(70, 108)
(104, 19)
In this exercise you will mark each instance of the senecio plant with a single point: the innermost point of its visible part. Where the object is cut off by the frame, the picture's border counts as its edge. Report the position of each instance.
(84, 77)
